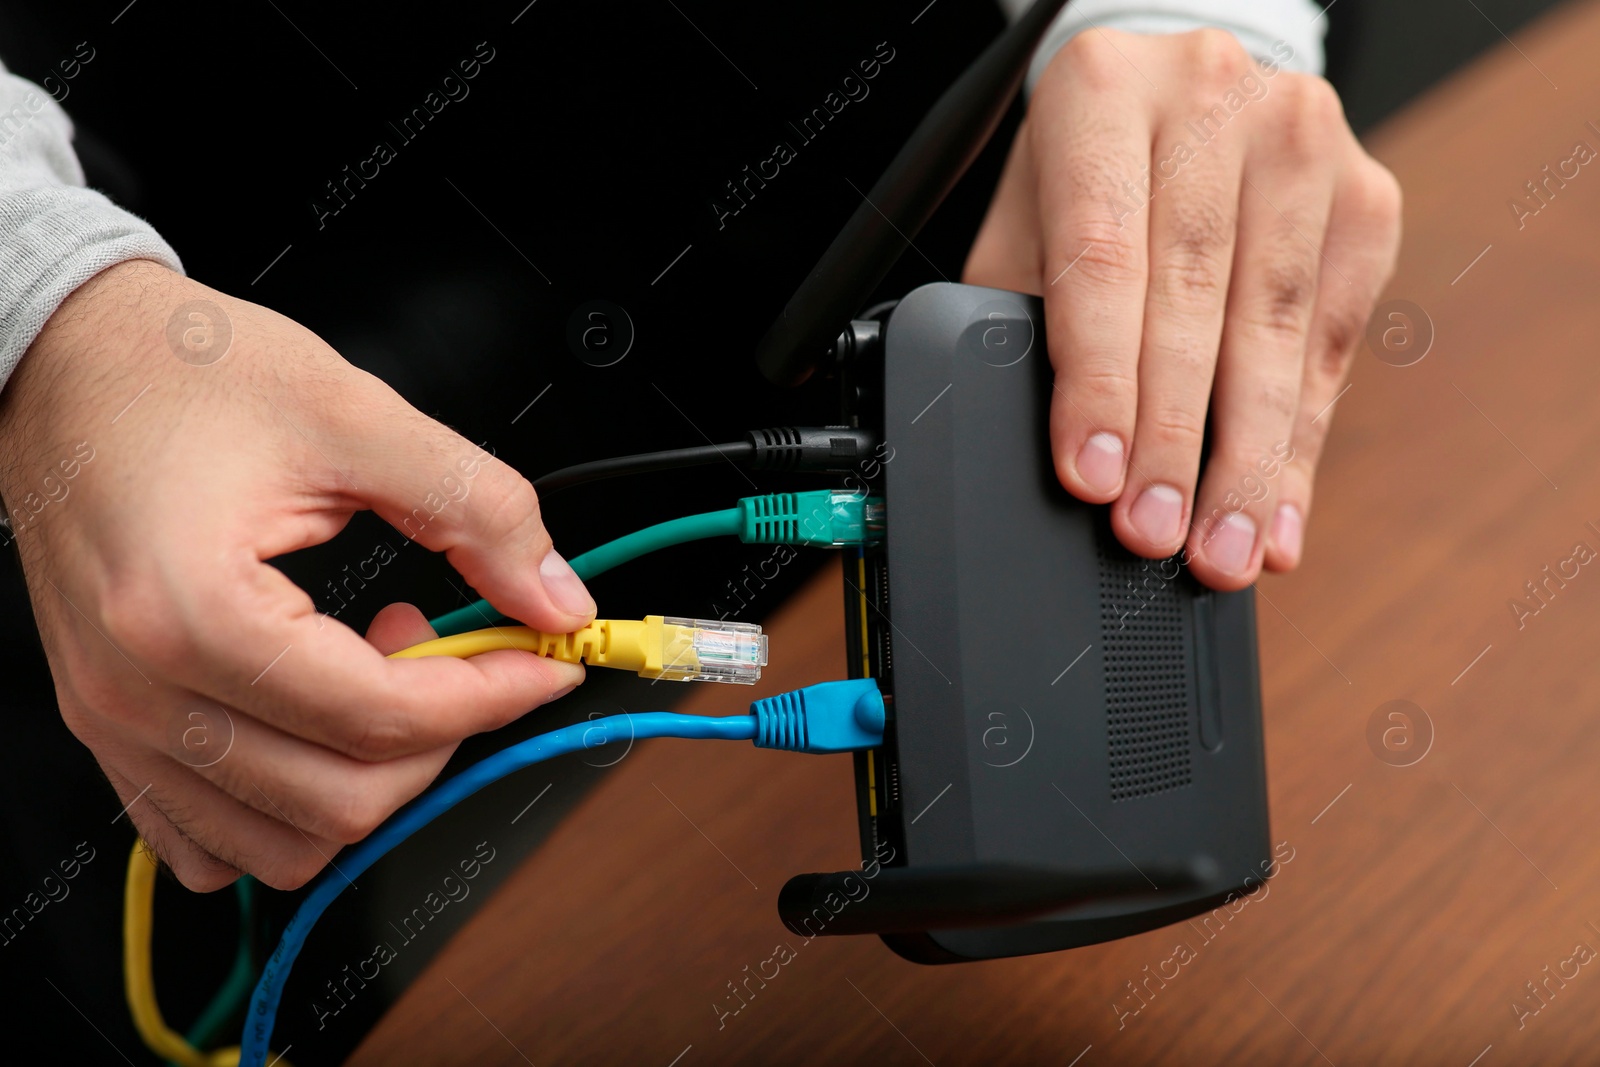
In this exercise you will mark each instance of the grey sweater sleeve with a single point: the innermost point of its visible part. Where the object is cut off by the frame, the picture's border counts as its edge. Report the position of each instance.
(55, 234)
(1258, 24)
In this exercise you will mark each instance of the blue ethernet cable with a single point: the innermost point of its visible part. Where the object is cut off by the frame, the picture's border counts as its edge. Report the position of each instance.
(838, 716)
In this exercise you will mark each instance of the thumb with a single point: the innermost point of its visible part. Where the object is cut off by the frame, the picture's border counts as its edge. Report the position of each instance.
(451, 496)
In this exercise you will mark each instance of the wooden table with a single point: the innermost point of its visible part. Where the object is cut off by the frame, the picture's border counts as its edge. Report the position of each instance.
(1419, 900)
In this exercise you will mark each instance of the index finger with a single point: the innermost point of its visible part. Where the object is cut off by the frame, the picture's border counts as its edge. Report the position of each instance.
(1093, 152)
(254, 641)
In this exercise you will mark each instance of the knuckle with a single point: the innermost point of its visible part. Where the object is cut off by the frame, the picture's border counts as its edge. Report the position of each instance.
(1189, 281)
(373, 737)
(200, 876)
(1216, 58)
(1249, 495)
(1195, 262)
(1308, 442)
(1241, 466)
(1277, 395)
(138, 616)
(1107, 255)
(513, 507)
(1187, 355)
(1177, 427)
(79, 715)
(198, 870)
(353, 813)
(90, 691)
(1311, 112)
(1334, 345)
(1322, 102)
(106, 700)
(1094, 61)
(1380, 200)
(1102, 385)
(1285, 301)
(293, 871)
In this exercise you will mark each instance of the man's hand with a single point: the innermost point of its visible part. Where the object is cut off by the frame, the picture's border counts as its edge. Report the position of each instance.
(147, 482)
(1207, 233)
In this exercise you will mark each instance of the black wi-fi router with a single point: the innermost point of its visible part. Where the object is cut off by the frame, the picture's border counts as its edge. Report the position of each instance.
(1075, 752)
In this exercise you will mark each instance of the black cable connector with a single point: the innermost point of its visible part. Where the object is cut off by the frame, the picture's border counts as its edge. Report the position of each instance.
(835, 449)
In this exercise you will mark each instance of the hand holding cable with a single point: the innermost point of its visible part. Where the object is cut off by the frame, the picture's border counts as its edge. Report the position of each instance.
(174, 642)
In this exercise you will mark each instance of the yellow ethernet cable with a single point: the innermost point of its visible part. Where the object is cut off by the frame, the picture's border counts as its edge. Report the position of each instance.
(138, 984)
(655, 647)
(677, 650)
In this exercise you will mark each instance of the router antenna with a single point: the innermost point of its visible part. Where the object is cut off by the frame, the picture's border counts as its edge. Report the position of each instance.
(916, 182)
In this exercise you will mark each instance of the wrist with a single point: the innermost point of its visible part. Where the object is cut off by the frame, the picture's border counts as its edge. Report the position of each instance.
(47, 405)
(111, 303)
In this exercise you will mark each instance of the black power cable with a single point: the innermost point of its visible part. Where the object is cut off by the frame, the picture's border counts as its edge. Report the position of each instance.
(837, 449)
(616, 466)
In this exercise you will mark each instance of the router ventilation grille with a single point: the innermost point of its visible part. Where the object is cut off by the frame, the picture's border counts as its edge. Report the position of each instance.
(1148, 691)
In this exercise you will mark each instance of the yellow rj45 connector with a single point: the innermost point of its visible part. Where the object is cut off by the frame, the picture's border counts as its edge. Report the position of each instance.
(677, 650)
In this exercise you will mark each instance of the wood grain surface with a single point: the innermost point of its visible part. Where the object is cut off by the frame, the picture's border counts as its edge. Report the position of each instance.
(1420, 899)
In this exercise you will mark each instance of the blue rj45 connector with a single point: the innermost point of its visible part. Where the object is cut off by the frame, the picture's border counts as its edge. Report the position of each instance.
(842, 716)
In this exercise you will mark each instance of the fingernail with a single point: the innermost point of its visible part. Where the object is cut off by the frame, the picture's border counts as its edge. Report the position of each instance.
(1157, 514)
(1288, 529)
(1233, 544)
(564, 586)
(1100, 462)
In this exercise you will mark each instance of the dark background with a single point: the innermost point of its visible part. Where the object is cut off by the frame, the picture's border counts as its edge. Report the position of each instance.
(583, 161)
